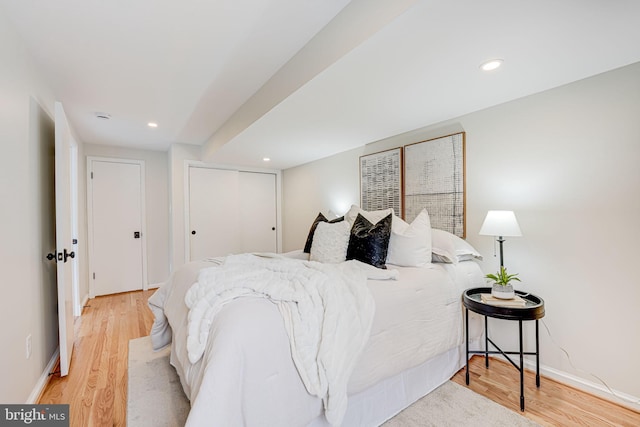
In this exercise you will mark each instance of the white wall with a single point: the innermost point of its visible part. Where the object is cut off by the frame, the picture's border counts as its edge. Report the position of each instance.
(29, 299)
(566, 161)
(156, 200)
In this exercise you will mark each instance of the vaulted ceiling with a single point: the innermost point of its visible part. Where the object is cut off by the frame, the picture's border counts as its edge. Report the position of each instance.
(298, 80)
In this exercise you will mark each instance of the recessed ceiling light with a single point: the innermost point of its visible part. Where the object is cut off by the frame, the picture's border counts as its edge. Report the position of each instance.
(152, 125)
(491, 64)
(103, 116)
(266, 159)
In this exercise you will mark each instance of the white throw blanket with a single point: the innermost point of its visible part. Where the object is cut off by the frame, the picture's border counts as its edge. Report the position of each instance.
(327, 311)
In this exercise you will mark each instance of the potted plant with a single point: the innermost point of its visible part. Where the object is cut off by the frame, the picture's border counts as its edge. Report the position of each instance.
(502, 287)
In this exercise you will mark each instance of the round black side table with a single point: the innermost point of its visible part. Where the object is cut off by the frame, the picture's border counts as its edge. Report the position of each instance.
(533, 309)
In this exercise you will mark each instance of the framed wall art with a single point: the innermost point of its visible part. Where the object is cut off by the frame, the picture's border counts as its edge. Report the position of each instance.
(381, 181)
(434, 173)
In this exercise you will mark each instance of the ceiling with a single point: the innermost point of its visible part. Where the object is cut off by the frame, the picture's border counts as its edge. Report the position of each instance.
(298, 80)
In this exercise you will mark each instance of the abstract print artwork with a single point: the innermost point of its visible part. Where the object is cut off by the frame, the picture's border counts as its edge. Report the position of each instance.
(434, 179)
(381, 181)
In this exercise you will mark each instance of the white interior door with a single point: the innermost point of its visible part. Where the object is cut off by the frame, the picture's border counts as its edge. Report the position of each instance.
(213, 212)
(116, 227)
(257, 212)
(64, 241)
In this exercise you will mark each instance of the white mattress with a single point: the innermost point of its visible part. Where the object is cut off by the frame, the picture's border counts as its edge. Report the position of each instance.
(418, 318)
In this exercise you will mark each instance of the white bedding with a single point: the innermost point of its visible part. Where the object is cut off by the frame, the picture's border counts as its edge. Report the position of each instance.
(327, 311)
(246, 375)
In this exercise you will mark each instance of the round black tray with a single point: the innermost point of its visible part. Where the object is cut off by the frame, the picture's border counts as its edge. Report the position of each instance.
(534, 308)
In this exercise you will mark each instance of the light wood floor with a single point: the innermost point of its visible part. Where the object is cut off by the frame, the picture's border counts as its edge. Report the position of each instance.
(96, 387)
(553, 404)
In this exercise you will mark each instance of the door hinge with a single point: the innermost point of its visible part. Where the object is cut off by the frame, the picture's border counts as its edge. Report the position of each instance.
(94, 276)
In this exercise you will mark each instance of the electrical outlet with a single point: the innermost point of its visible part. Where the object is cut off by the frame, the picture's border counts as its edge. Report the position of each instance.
(28, 346)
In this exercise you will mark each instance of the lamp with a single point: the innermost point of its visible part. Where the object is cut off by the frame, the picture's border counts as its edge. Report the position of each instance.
(500, 224)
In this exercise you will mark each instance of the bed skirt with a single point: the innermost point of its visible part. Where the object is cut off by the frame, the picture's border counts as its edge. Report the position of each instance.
(384, 400)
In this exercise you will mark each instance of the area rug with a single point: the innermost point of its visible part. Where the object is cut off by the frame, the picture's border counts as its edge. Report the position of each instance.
(154, 394)
(155, 399)
(452, 405)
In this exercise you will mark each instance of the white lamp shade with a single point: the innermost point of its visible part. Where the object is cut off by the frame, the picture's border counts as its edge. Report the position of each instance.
(500, 223)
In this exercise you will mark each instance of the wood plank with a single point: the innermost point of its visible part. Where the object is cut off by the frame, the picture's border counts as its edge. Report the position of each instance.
(96, 387)
(553, 404)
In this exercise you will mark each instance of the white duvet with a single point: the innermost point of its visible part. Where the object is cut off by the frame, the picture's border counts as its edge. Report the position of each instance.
(327, 311)
(248, 374)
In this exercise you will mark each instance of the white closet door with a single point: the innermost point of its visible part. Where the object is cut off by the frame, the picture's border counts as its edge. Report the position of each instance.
(258, 212)
(213, 212)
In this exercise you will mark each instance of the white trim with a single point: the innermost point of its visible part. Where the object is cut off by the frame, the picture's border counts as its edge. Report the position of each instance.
(143, 223)
(90, 225)
(75, 234)
(85, 301)
(199, 164)
(185, 209)
(620, 398)
(43, 380)
(155, 285)
(596, 389)
(143, 219)
(278, 212)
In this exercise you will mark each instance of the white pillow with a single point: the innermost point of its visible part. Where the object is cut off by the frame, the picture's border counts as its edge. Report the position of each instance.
(442, 247)
(449, 248)
(464, 250)
(372, 216)
(330, 242)
(410, 244)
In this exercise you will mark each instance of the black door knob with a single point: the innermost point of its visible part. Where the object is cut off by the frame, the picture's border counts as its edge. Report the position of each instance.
(273, 228)
(51, 257)
(68, 255)
(193, 232)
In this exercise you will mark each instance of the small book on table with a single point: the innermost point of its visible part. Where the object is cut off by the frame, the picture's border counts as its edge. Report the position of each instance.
(516, 301)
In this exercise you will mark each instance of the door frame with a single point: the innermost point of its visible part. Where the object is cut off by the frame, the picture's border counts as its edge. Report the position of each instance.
(188, 164)
(143, 214)
(75, 229)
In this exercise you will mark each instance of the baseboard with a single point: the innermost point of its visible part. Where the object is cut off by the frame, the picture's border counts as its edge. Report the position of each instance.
(154, 285)
(43, 380)
(596, 389)
(85, 301)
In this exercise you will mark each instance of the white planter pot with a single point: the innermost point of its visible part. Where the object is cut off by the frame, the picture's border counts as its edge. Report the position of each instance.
(503, 292)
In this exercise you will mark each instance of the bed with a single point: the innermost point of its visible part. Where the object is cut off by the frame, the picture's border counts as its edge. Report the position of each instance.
(247, 369)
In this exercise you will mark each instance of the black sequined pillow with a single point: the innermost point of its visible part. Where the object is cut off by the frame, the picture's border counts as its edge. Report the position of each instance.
(368, 242)
(319, 218)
